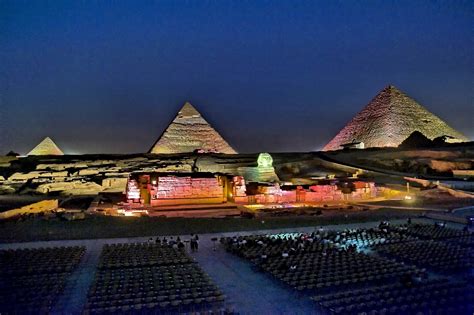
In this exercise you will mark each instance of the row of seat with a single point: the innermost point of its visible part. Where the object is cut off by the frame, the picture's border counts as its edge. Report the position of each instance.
(464, 241)
(308, 263)
(151, 278)
(31, 280)
(365, 238)
(142, 254)
(47, 260)
(434, 232)
(436, 255)
(427, 297)
(336, 268)
(368, 271)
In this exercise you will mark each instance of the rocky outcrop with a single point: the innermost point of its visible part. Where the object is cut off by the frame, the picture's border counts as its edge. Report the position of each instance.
(389, 119)
(115, 184)
(109, 173)
(71, 188)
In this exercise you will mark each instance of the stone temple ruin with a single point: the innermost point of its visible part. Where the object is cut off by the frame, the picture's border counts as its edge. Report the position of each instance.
(190, 132)
(388, 120)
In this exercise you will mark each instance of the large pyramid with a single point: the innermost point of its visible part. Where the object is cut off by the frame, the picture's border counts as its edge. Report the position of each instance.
(46, 147)
(188, 132)
(388, 120)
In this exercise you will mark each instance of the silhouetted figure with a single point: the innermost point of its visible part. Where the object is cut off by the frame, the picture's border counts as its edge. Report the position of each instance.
(196, 240)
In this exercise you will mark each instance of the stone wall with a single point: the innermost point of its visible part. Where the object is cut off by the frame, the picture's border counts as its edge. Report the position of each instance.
(317, 193)
(115, 184)
(174, 187)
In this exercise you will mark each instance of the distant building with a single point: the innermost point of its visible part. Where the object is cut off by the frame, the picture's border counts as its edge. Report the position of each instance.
(389, 119)
(46, 147)
(190, 132)
(353, 145)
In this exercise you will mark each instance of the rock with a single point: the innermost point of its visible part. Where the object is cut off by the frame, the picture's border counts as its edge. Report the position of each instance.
(71, 188)
(60, 167)
(88, 171)
(115, 184)
(54, 174)
(6, 189)
(416, 140)
(24, 176)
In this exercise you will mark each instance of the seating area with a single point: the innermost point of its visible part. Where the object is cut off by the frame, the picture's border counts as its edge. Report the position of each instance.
(464, 241)
(336, 268)
(365, 238)
(434, 232)
(388, 269)
(438, 296)
(307, 264)
(383, 270)
(435, 255)
(152, 278)
(31, 280)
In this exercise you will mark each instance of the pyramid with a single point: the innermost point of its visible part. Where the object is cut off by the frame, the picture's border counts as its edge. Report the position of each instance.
(188, 132)
(388, 120)
(46, 147)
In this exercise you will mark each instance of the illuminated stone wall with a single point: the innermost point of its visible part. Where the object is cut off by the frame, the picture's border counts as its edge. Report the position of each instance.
(316, 193)
(173, 187)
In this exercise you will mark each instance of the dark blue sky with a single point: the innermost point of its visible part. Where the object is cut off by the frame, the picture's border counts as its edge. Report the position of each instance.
(103, 76)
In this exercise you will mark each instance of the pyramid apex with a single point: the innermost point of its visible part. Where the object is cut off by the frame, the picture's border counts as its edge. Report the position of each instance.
(391, 88)
(190, 132)
(188, 110)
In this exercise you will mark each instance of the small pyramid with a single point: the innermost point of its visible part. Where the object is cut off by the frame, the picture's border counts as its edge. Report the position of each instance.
(189, 132)
(46, 147)
(389, 119)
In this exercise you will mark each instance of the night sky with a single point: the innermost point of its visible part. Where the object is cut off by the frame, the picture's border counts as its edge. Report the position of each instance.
(103, 77)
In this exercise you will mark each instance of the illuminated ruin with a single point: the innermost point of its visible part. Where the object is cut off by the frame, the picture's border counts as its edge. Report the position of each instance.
(182, 188)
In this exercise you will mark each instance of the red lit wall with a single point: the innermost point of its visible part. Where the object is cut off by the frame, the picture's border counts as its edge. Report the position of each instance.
(171, 187)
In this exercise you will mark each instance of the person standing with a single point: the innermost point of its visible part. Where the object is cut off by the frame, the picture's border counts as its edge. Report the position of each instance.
(196, 242)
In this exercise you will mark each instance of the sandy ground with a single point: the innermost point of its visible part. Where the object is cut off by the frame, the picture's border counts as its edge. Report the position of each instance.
(39, 229)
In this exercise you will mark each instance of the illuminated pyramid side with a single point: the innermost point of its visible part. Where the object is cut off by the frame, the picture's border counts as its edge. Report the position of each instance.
(388, 120)
(46, 147)
(189, 132)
